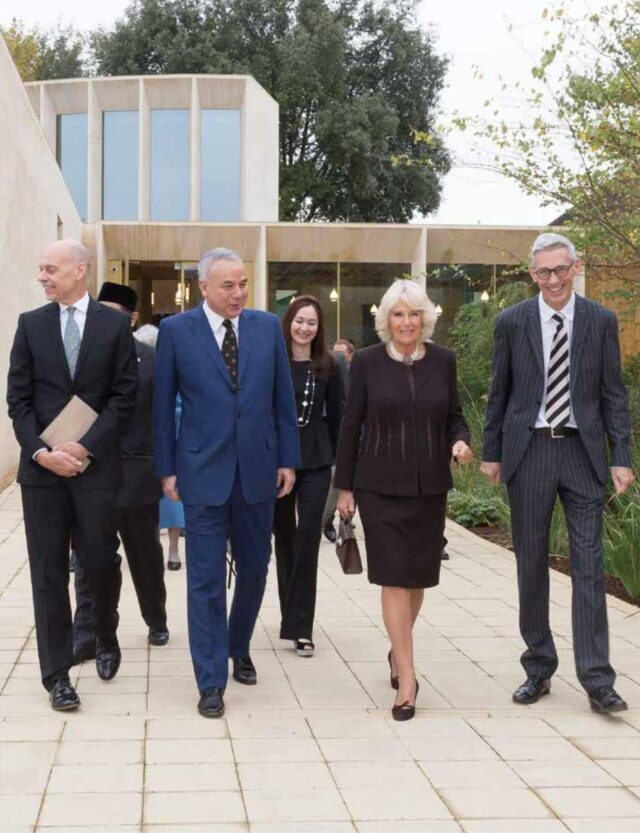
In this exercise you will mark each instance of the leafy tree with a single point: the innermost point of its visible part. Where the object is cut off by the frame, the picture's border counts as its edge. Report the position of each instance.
(45, 55)
(580, 147)
(356, 81)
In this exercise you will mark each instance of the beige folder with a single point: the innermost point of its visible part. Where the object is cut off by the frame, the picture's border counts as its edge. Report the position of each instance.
(71, 424)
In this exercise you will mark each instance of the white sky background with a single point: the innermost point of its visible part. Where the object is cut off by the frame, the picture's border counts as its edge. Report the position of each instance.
(469, 32)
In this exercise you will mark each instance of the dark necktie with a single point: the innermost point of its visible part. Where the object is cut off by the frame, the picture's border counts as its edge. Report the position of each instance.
(230, 353)
(558, 393)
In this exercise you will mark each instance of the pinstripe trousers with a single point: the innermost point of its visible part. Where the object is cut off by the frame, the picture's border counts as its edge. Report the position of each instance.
(560, 468)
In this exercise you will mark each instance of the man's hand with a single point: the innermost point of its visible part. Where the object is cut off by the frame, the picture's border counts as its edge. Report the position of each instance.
(169, 487)
(77, 450)
(59, 462)
(491, 471)
(346, 504)
(461, 452)
(622, 479)
(285, 479)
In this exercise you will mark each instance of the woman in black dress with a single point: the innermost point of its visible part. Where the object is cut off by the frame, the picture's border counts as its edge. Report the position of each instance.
(402, 425)
(319, 399)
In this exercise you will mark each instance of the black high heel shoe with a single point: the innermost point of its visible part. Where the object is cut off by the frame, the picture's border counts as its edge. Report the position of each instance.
(405, 711)
(394, 680)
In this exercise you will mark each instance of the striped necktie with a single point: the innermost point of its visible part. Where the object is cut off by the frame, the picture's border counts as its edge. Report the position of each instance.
(72, 340)
(557, 407)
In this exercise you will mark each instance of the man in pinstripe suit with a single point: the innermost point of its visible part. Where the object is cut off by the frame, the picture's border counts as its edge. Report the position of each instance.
(556, 398)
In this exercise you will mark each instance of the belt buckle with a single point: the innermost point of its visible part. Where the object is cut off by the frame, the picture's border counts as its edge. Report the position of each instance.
(555, 436)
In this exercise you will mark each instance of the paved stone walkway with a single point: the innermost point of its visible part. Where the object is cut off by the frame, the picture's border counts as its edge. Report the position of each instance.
(313, 747)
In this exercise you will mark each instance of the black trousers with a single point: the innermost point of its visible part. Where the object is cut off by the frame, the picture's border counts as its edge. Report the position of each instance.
(297, 546)
(51, 516)
(549, 469)
(138, 529)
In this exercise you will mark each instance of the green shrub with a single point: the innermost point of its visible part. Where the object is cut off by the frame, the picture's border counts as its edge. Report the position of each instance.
(622, 540)
(469, 509)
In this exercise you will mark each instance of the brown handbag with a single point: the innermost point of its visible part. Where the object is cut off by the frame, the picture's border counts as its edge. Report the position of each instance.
(347, 548)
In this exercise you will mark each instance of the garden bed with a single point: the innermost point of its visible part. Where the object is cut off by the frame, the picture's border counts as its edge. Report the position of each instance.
(502, 537)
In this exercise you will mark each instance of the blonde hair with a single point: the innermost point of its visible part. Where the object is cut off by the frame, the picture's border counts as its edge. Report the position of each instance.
(412, 294)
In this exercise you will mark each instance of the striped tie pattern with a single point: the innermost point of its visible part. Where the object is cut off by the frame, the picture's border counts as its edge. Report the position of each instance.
(230, 353)
(72, 340)
(557, 407)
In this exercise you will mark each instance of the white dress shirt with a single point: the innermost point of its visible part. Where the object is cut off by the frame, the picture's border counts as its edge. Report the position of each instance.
(80, 315)
(217, 327)
(549, 327)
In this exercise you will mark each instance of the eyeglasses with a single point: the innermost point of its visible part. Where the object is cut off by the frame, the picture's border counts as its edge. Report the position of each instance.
(559, 271)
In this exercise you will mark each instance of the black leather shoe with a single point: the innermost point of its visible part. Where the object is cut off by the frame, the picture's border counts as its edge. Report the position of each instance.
(173, 564)
(84, 653)
(605, 700)
(107, 661)
(211, 703)
(63, 697)
(406, 710)
(531, 690)
(244, 671)
(330, 533)
(158, 637)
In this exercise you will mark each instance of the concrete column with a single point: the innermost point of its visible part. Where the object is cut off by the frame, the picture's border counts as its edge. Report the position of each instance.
(48, 117)
(260, 271)
(194, 155)
(419, 262)
(144, 154)
(94, 156)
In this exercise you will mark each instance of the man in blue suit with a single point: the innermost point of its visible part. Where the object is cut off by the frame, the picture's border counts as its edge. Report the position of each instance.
(235, 453)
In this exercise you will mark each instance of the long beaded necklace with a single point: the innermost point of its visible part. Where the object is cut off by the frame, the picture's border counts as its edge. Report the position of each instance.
(307, 399)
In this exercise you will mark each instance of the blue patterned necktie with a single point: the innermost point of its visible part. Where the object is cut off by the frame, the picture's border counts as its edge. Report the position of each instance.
(71, 340)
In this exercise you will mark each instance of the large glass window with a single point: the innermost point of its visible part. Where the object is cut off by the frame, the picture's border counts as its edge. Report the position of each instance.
(71, 153)
(120, 165)
(348, 292)
(169, 165)
(220, 165)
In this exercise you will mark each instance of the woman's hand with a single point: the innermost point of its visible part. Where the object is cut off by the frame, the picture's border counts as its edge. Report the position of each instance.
(346, 505)
(461, 452)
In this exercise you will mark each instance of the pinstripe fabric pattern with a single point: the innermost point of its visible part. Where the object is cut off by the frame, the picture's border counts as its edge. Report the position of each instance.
(548, 469)
(537, 469)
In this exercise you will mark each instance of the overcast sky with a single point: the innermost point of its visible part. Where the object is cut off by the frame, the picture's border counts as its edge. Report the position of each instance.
(469, 32)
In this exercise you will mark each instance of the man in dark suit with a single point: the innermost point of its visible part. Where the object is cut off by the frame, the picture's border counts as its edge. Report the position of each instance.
(236, 450)
(136, 504)
(556, 397)
(72, 346)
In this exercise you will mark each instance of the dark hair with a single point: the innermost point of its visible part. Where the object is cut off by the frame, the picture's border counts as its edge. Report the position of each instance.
(322, 362)
(351, 347)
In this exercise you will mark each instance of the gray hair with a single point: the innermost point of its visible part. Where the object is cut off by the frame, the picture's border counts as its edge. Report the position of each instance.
(414, 296)
(550, 240)
(209, 258)
(147, 334)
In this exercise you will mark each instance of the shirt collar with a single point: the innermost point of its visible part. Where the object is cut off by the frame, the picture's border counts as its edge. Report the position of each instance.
(567, 312)
(82, 305)
(215, 319)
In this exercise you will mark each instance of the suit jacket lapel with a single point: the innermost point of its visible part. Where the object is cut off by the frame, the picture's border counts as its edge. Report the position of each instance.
(534, 329)
(245, 341)
(54, 336)
(579, 334)
(202, 329)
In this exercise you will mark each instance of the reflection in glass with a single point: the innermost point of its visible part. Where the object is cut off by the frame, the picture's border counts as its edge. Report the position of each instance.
(286, 280)
(451, 286)
(71, 153)
(120, 165)
(169, 165)
(362, 285)
(220, 165)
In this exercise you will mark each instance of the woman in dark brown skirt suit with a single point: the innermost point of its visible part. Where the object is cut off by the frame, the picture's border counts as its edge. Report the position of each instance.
(402, 426)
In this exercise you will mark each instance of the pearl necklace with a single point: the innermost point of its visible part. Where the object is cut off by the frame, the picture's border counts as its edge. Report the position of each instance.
(418, 353)
(307, 399)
